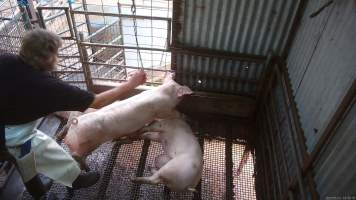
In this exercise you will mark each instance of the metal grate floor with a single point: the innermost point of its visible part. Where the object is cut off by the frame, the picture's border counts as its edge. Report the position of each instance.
(223, 176)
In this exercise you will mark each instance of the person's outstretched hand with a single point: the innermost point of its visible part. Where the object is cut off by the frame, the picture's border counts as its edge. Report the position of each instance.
(137, 78)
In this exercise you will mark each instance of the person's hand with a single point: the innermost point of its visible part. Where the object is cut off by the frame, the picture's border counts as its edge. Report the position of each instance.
(137, 78)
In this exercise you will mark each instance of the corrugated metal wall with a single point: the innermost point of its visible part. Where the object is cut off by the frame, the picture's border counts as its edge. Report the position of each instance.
(218, 75)
(244, 26)
(322, 64)
(335, 171)
(250, 27)
(322, 70)
(280, 150)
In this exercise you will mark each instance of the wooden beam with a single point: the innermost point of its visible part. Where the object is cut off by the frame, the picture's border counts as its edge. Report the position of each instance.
(202, 103)
(218, 104)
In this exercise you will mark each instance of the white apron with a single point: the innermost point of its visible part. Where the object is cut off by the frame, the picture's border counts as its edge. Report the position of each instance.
(46, 156)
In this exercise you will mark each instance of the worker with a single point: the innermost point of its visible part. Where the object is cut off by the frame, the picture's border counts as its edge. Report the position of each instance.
(28, 93)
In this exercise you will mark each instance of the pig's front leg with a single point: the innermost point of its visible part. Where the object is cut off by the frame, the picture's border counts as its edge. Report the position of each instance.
(172, 114)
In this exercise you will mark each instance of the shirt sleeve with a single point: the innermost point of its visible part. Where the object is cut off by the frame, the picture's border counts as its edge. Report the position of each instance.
(60, 96)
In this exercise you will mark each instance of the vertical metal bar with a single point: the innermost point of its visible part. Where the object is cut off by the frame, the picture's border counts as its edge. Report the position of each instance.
(32, 10)
(42, 22)
(279, 135)
(271, 130)
(122, 35)
(69, 21)
(87, 20)
(297, 142)
(269, 154)
(261, 187)
(84, 60)
(169, 22)
(270, 141)
(25, 17)
(280, 142)
(107, 173)
(197, 195)
(166, 193)
(265, 170)
(264, 78)
(88, 80)
(141, 167)
(229, 164)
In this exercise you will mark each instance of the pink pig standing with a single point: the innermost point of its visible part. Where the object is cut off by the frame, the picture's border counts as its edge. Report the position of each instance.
(123, 118)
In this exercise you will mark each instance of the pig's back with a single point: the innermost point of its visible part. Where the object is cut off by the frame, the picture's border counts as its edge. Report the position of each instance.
(129, 115)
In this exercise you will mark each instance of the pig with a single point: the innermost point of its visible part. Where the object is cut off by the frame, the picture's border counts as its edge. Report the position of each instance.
(180, 167)
(123, 118)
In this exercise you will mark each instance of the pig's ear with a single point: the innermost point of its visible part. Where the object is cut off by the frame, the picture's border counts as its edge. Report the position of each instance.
(184, 90)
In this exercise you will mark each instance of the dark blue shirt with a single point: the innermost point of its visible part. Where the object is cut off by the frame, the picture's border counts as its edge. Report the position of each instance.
(27, 94)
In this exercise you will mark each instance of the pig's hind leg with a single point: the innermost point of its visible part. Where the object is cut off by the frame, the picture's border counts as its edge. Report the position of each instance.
(153, 180)
(160, 161)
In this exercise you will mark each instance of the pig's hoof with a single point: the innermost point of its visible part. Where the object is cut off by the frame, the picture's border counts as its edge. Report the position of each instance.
(153, 170)
(134, 179)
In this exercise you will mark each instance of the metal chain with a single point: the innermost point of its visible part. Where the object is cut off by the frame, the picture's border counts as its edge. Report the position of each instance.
(133, 10)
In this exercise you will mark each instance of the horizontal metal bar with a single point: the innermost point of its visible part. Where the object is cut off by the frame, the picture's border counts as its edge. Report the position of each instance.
(121, 80)
(74, 81)
(121, 46)
(145, 7)
(67, 71)
(17, 37)
(218, 54)
(119, 15)
(5, 18)
(52, 8)
(129, 67)
(66, 47)
(54, 16)
(100, 30)
(103, 48)
(68, 56)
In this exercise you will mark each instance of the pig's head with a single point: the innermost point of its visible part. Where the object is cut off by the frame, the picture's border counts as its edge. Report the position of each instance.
(174, 89)
(165, 125)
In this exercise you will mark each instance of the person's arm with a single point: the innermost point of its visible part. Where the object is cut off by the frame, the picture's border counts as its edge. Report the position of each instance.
(114, 94)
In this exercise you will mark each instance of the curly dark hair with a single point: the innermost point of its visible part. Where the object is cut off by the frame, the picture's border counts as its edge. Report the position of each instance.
(39, 49)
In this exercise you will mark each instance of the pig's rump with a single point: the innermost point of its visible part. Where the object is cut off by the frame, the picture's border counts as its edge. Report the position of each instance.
(93, 129)
(186, 170)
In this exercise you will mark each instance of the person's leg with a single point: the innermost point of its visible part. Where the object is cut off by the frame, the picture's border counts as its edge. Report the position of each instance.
(54, 162)
(36, 188)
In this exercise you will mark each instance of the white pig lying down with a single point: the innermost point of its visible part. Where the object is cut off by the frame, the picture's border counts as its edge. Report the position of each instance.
(180, 167)
(123, 118)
